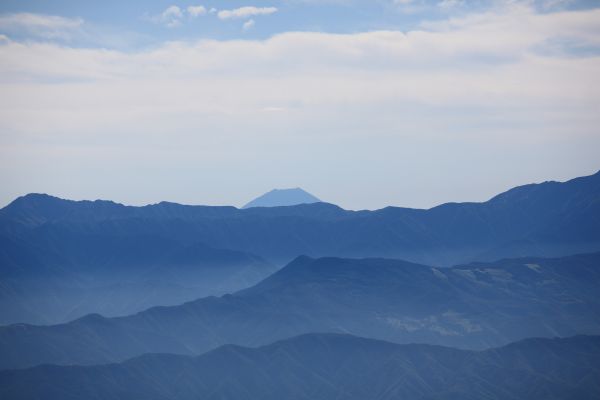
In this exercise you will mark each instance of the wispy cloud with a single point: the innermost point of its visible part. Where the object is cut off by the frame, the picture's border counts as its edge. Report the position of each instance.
(248, 24)
(39, 25)
(555, 4)
(450, 4)
(172, 16)
(246, 12)
(196, 11)
(411, 6)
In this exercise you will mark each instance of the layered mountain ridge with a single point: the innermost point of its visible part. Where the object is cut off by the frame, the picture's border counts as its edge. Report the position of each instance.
(169, 301)
(547, 219)
(326, 366)
(471, 306)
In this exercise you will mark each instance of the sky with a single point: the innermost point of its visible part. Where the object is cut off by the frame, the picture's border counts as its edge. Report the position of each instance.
(364, 104)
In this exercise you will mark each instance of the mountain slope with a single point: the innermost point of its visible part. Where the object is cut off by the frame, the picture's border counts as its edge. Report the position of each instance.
(548, 219)
(328, 366)
(104, 257)
(114, 275)
(283, 197)
(473, 306)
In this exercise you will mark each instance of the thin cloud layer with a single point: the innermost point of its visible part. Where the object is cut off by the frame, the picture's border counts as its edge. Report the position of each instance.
(196, 11)
(41, 26)
(174, 16)
(488, 86)
(248, 24)
(246, 12)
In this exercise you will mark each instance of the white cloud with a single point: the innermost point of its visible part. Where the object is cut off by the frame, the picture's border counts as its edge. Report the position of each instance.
(246, 12)
(476, 86)
(273, 109)
(173, 16)
(443, 46)
(170, 17)
(45, 26)
(196, 11)
(172, 12)
(248, 24)
(455, 49)
(556, 4)
(411, 6)
(450, 4)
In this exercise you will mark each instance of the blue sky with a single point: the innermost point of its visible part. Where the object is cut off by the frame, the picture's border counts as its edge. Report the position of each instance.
(363, 103)
(146, 23)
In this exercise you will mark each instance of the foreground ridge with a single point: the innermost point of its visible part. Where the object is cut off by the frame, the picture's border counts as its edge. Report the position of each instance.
(325, 366)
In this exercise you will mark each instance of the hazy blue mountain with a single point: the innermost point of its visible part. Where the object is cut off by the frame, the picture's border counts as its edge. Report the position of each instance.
(283, 197)
(473, 306)
(63, 279)
(61, 259)
(330, 366)
(547, 219)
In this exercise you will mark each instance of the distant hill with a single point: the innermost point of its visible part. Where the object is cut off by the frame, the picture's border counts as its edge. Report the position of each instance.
(55, 253)
(470, 306)
(548, 219)
(69, 275)
(283, 197)
(330, 366)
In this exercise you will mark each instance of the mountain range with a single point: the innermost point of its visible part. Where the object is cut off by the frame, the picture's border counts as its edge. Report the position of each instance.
(492, 300)
(330, 366)
(470, 306)
(62, 259)
(547, 219)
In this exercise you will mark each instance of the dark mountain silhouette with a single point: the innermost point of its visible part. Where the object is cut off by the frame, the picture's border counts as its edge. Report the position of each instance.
(283, 197)
(61, 259)
(329, 366)
(473, 306)
(547, 219)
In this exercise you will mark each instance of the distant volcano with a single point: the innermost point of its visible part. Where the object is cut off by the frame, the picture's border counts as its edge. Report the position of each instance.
(283, 197)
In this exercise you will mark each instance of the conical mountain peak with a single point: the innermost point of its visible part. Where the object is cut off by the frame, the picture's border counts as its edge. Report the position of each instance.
(283, 197)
